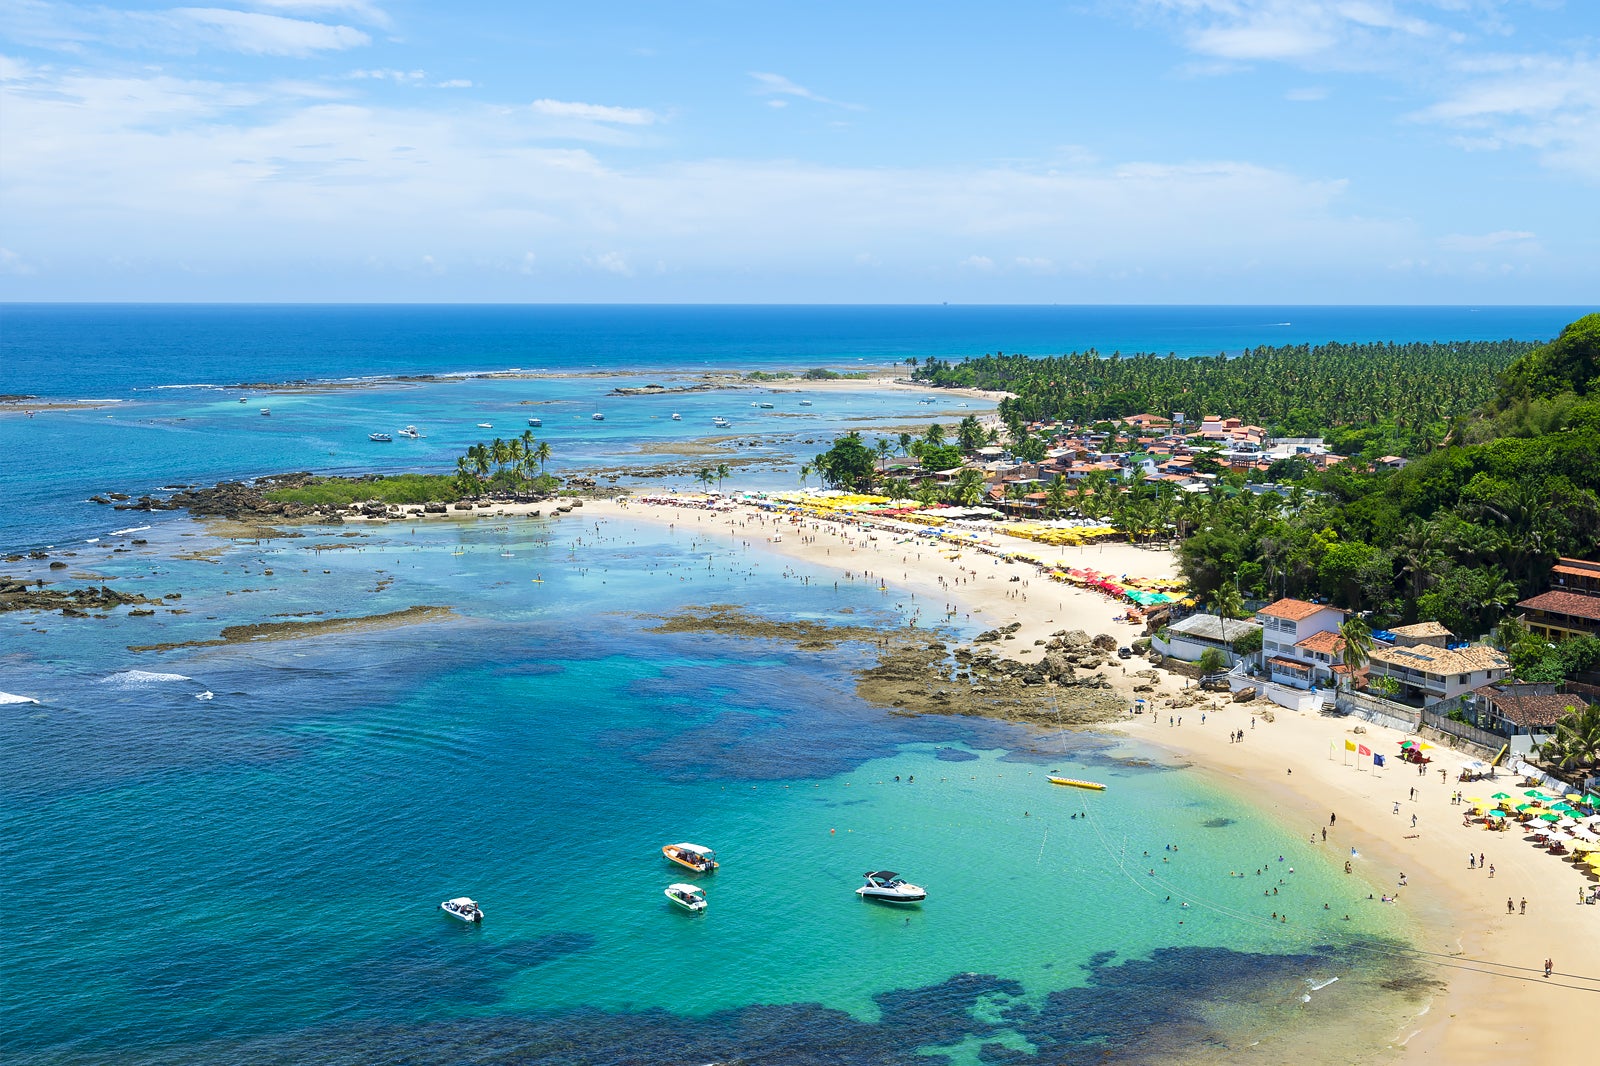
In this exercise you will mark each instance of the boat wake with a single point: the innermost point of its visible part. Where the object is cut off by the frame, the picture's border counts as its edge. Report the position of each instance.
(130, 529)
(8, 697)
(141, 677)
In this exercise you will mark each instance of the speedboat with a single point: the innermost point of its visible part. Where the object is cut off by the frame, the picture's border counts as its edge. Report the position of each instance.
(699, 859)
(244, 399)
(462, 907)
(689, 897)
(805, 403)
(676, 417)
(410, 431)
(266, 412)
(886, 886)
(754, 404)
(597, 417)
(721, 423)
(379, 438)
(535, 422)
(485, 425)
(767, 406)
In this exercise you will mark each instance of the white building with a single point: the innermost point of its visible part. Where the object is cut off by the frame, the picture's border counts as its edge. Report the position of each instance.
(1300, 642)
(1191, 638)
(1428, 666)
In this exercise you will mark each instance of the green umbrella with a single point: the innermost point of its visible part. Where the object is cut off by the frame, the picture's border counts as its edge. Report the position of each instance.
(1495, 814)
(1524, 806)
(1536, 794)
(1564, 808)
(1591, 799)
(1501, 796)
(1550, 816)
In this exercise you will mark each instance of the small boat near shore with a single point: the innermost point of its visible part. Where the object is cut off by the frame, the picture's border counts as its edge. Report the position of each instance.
(721, 423)
(410, 431)
(597, 417)
(765, 406)
(535, 422)
(462, 907)
(379, 438)
(701, 860)
(690, 897)
(266, 412)
(887, 887)
(1096, 786)
(805, 403)
(485, 425)
(676, 417)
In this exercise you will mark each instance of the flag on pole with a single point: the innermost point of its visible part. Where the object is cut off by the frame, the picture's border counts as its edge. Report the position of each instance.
(1349, 745)
(1363, 750)
(1377, 760)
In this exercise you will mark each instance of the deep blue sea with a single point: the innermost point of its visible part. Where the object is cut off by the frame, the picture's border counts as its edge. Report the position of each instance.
(235, 853)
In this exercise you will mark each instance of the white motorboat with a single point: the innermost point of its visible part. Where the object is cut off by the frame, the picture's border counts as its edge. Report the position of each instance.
(266, 412)
(379, 438)
(721, 423)
(754, 404)
(244, 399)
(805, 403)
(886, 886)
(462, 907)
(689, 897)
(701, 860)
(410, 431)
(676, 417)
(765, 406)
(597, 417)
(485, 425)
(535, 422)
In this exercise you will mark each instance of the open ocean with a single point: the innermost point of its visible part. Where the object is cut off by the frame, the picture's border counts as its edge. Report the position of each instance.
(235, 853)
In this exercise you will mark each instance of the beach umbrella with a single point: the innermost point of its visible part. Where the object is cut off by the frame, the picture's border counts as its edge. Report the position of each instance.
(1550, 816)
(1495, 814)
(1476, 801)
(1501, 796)
(1426, 746)
(1408, 743)
(1536, 794)
(1591, 799)
(1564, 808)
(1524, 806)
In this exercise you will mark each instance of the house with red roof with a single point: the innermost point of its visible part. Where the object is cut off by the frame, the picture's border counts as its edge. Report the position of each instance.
(1300, 642)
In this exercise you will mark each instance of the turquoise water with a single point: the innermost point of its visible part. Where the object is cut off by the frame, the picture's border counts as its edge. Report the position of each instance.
(235, 853)
(261, 869)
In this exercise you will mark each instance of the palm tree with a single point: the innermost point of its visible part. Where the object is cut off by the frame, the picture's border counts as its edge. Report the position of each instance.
(885, 449)
(479, 455)
(1227, 602)
(905, 443)
(969, 487)
(1357, 645)
(935, 435)
(542, 454)
(806, 470)
(1575, 743)
(706, 476)
(722, 472)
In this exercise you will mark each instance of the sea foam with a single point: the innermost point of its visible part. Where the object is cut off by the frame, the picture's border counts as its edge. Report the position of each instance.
(142, 677)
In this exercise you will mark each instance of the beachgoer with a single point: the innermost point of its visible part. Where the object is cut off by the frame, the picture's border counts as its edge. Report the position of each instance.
(1524, 905)
(1511, 908)
(1548, 966)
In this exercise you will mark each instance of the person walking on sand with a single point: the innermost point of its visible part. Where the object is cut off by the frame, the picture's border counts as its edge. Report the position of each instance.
(1524, 905)
(1511, 908)
(1548, 966)
(1332, 818)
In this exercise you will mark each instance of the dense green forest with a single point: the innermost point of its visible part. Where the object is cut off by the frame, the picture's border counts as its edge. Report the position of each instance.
(1460, 534)
(1506, 474)
(1407, 393)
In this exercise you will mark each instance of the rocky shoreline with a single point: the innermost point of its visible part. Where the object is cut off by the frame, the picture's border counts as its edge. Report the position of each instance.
(76, 602)
(917, 672)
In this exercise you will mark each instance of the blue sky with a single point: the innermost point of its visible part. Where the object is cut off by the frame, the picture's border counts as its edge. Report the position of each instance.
(1146, 151)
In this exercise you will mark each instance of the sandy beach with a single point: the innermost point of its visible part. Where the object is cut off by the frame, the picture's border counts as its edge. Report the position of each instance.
(1495, 1004)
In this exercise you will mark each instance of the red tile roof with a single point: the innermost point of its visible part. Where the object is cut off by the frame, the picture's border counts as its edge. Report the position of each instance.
(1575, 604)
(1294, 610)
(1328, 642)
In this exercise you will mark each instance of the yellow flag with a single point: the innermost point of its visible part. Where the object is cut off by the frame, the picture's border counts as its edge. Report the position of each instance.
(1349, 745)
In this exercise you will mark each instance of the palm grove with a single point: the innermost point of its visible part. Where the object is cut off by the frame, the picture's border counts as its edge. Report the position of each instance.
(1504, 477)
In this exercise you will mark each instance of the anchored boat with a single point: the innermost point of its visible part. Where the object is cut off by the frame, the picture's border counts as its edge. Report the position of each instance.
(886, 887)
(462, 907)
(701, 860)
(689, 897)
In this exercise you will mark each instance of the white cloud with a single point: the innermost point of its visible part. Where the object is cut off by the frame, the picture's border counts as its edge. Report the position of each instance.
(611, 263)
(258, 34)
(111, 183)
(390, 75)
(528, 260)
(12, 263)
(1519, 240)
(360, 10)
(454, 83)
(778, 85)
(1549, 104)
(622, 116)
